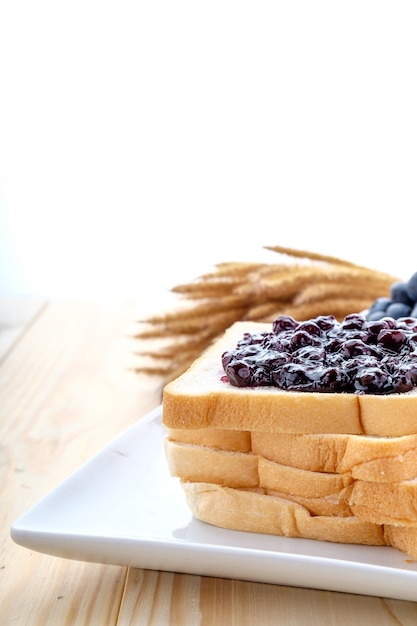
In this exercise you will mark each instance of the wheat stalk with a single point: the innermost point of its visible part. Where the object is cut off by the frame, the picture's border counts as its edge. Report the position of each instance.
(233, 291)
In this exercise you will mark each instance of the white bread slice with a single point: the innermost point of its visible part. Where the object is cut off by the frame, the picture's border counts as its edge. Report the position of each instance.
(386, 503)
(238, 509)
(319, 493)
(299, 482)
(378, 459)
(313, 452)
(195, 463)
(202, 464)
(392, 415)
(403, 538)
(237, 440)
(249, 511)
(329, 505)
(200, 399)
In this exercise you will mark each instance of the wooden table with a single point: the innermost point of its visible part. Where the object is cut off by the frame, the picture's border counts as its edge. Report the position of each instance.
(66, 389)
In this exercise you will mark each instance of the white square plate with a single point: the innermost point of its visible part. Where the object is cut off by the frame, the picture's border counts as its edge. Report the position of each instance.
(123, 507)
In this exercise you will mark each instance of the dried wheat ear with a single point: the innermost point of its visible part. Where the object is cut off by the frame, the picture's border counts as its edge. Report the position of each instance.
(304, 284)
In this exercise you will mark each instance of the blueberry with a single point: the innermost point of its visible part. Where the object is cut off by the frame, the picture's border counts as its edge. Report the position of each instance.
(239, 374)
(326, 322)
(371, 380)
(414, 311)
(226, 358)
(355, 347)
(380, 304)
(398, 309)
(412, 287)
(392, 339)
(399, 293)
(275, 361)
(310, 327)
(334, 379)
(389, 322)
(308, 353)
(375, 326)
(283, 322)
(302, 338)
(375, 314)
(412, 374)
(351, 366)
(262, 376)
(335, 344)
(353, 321)
(357, 334)
(283, 344)
(248, 350)
(251, 339)
(246, 339)
(293, 376)
(403, 380)
(408, 323)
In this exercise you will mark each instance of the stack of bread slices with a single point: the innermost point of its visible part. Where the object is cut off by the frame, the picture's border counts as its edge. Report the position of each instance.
(329, 466)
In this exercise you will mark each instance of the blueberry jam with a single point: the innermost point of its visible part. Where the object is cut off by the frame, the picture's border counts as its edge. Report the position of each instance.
(324, 355)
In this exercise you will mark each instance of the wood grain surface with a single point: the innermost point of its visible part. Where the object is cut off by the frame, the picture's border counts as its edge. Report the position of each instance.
(67, 387)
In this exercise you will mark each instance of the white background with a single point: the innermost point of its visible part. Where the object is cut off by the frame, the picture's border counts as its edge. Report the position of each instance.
(143, 142)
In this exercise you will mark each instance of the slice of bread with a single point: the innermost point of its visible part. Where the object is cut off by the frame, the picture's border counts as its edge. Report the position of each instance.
(378, 459)
(301, 482)
(402, 538)
(239, 509)
(249, 511)
(237, 440)
(321, 493)
(203, 464)
(201, 399)
(386, 503)
(329, 506)
(195, 463)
